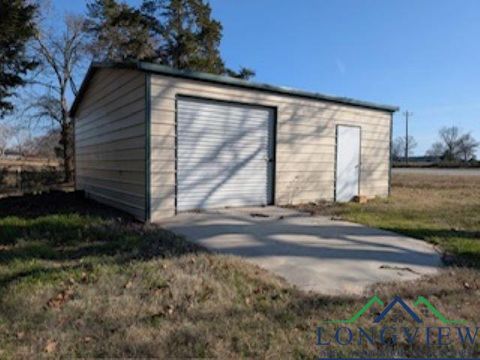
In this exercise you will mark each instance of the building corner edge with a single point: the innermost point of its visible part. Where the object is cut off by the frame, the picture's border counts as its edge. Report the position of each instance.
(390, 157)
(148, 113)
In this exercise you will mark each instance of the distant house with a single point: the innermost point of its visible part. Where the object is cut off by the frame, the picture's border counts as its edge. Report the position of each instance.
(155, 141)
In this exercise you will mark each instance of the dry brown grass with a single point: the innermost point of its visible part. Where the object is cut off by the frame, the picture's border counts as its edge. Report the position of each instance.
(198, 306)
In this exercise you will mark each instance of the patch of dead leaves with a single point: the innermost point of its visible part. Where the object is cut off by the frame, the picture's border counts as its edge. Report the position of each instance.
(51, 346)
(84, 277)
(160, 290)
(61, 298)
(130, 282)
(170, 309)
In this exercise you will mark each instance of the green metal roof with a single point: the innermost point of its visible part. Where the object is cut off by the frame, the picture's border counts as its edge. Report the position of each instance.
(223, 80)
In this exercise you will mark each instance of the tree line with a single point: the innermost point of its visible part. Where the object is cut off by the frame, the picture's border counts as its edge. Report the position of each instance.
(50, 58)
(452, 146)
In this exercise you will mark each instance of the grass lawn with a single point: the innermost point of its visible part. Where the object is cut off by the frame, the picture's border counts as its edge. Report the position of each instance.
(79, 279)
(443, 210)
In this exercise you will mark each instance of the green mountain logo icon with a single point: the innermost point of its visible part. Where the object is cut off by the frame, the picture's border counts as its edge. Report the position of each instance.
(374, 300)
(423, 301)
(420, 301)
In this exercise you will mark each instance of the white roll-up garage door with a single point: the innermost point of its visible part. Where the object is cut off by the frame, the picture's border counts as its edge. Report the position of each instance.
(224, 154)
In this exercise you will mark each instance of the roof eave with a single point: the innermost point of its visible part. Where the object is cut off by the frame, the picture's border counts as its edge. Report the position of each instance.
(224, 80)
(189, 74)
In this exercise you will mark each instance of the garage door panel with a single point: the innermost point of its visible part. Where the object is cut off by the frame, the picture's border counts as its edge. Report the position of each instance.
(223, 144)
(217, 199)
(249, 137)
(248, 134)
(212, 108)
(215, 169)
(212, 179)
(234, 124)
(238, 182)
(222, 154)
(237, 121)
(227, 160)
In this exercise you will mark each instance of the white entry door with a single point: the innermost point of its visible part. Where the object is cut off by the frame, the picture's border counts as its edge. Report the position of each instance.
(348, 163)
(224, 154)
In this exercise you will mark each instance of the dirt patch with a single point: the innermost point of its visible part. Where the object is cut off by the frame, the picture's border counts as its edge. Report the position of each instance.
(319, 208)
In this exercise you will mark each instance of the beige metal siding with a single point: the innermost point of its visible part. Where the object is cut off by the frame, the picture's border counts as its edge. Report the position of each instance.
(110, 140)
(305, 149)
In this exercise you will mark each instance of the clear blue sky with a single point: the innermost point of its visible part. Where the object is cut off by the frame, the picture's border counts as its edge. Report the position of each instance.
(421, 55)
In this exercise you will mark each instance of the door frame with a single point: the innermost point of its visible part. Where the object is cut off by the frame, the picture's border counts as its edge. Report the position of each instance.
(336, 158)
(272, 170)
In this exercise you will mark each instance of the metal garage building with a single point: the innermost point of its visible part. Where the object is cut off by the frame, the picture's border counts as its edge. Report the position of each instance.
(153, 141)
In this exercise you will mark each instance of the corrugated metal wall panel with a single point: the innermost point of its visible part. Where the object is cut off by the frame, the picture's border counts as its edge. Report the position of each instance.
(110, 140)
(223, 153)
(305, 148)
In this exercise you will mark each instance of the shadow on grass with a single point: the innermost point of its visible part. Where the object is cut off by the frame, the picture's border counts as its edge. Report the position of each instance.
(65, 228)
(57, 203)
(462, 245)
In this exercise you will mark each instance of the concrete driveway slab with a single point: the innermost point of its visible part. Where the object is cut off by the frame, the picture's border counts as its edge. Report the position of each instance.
(312, 252)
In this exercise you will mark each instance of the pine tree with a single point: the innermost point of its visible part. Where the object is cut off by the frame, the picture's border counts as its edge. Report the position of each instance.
(118, 32)
(188, 37)
(178, 33)
(16, 29)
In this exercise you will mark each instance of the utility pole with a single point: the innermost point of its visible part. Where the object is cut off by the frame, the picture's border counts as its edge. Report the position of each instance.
(407, 115)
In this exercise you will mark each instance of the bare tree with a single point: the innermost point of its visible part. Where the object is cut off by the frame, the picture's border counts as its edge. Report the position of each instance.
(399, 145)
(5, 135)
(437, 150)
(398, 148)
(45, 145)
(450, 137)
(20, 134)
(61, 54)
(453, 145)
(467, 146)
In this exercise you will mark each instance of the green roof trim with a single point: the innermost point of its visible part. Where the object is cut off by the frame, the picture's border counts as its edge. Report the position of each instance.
(223, 80)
